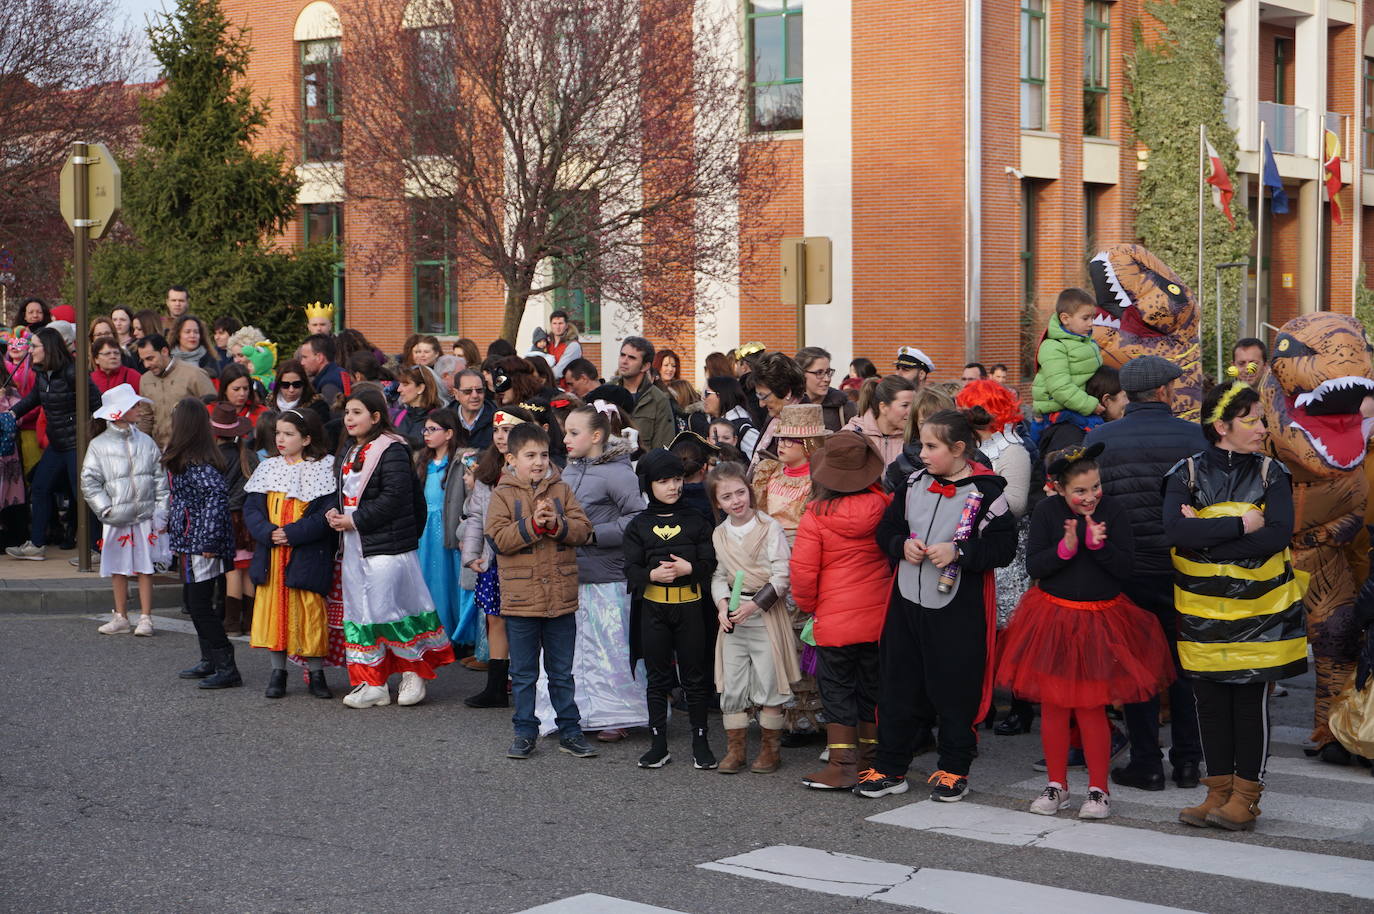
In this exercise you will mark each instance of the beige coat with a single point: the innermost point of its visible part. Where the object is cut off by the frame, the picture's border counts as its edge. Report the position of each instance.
(538, 572)
(181, 380)
(763, 556)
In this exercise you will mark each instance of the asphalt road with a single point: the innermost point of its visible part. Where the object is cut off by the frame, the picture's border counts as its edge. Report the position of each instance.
(126, 789)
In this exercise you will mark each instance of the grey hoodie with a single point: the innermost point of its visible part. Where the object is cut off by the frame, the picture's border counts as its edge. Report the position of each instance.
(608, 491)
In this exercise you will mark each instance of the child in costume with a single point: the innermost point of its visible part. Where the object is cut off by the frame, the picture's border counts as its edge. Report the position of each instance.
(1066, 358)
(22, 378)
(234, 433)
(123, 481)
(201, 536)
(948, 526)
(841, 578)
(601, 477)
(1076, 643)
(755, 659)
(286, 501)
(669, 559)
(389, 618)
(478, 556)
(532, 520)
(439, 464)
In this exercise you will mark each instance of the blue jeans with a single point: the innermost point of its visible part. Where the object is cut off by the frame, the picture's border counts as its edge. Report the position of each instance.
(46, 474)
(558, 639)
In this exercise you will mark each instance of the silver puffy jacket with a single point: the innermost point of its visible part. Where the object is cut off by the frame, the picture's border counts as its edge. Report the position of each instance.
(122, 478)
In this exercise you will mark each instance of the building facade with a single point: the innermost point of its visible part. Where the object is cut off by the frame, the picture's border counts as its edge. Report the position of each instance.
(964, 158)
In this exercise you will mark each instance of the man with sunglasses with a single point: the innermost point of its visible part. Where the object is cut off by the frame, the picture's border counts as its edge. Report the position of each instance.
(836, 408)
(166, 381)
(475, 411)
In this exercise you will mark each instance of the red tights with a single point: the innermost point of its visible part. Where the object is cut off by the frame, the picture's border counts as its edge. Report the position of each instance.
(1097, 742)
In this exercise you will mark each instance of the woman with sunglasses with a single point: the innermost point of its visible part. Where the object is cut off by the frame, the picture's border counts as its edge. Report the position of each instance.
(293, 390)
(836, 407)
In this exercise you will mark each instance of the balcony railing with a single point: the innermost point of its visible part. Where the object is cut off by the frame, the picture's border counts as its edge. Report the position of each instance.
(1339, 124)
(1285, 126)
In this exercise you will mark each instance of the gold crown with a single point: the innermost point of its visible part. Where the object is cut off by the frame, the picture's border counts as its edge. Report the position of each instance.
(319, 309)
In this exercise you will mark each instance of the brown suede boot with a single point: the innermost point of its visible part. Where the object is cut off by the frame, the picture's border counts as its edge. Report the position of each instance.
(735, 750)
(868, 743)
(840, 772)
(1218, 792)
(233, 615)
(768, 759)
(1240, 811)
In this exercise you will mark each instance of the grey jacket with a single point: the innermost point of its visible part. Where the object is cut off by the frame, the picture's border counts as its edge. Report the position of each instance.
(608, 491)
(122, 477)
(455, 498)
(472, 531)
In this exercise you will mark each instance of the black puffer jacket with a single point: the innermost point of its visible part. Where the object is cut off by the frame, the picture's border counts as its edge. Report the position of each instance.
(391, 512)
(1141, 447)
(55, 391)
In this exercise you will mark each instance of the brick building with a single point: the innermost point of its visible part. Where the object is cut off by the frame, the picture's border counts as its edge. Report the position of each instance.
(963, 157)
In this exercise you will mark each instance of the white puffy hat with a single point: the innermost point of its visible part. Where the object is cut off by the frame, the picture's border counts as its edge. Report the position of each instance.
(117, 401)
(911, 357)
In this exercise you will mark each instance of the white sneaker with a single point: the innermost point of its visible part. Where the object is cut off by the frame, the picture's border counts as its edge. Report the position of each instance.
(145, 626)
(412, 690)
(1097, 806)
(367, 696)
(28, 551)
(118, 625)
(1054, 798)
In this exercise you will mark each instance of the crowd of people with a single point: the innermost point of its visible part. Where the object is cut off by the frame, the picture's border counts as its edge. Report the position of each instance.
(874, 561)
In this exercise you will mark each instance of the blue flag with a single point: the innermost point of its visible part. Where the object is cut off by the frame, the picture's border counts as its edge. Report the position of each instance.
(1279, 200)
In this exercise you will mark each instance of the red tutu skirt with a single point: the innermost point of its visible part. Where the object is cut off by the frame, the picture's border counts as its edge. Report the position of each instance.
(1083, 655)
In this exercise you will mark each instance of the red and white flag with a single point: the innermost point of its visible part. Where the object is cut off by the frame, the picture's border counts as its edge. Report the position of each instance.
(1331, 168)
(1222, 191)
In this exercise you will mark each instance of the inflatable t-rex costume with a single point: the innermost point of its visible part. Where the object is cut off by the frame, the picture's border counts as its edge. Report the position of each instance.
(1143, 308)
(1319, 372)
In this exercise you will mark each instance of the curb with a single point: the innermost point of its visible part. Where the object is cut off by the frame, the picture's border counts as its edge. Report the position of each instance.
(84, 594)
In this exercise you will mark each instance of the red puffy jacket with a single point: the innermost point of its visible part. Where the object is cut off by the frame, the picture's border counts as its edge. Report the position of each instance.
(839, 572)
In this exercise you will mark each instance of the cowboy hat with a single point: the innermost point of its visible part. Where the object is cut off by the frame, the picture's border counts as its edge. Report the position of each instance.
(225, 421)
(846, 463)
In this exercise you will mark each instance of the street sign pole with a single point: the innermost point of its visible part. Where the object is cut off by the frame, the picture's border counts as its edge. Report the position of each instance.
(81, 229)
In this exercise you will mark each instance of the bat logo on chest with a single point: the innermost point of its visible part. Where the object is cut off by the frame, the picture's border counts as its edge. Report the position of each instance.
(667, 533)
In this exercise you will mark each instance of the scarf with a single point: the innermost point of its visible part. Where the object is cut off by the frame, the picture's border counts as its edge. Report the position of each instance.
(371, 457)
(192, 355)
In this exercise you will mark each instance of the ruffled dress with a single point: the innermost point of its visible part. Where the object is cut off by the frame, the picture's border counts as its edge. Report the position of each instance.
(443, 567)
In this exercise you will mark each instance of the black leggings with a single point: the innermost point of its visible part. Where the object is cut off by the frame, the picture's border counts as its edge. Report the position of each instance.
(848, 679)
(669, 629)
(1234, 721)
(199, 597)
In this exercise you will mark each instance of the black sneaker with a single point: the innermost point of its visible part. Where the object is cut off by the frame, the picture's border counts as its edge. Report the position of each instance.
(873, 783)
(949, 788)
(577, 746)
(656, 757)
(702, 756)
(1076, 761)
(521, 747)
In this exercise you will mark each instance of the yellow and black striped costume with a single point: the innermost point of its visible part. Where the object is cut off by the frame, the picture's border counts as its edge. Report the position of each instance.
(1240, 620)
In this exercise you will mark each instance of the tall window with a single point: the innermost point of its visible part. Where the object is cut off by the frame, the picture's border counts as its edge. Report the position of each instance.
(1096, 67)
(572, 230)
(1369, 112)
(433, 88)
(1029, 215)
(431, 238)
(322, 99)
(1032, 64)
(1283, 54)
(775, 64)
(324, 222)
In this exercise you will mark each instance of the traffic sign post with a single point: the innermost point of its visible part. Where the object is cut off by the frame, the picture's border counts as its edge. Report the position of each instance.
(89, 197)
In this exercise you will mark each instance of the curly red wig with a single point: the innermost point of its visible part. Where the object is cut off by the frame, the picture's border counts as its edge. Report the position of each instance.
(1001, 402)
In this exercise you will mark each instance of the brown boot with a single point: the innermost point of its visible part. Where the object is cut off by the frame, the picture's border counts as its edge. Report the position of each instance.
(840, 773)
(233, 615)
(768, 759)
(1218, 792)
(868, 743)
(735, 749)
(1240, 810)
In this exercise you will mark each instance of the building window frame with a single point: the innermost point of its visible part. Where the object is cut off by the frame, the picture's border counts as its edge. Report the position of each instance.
(322, 133)
(787, 14)
(580, 291)
(1033, 54)
(1368, 125)
(431, 245)
(1029, 215)
(1097, 68)
(334, 234)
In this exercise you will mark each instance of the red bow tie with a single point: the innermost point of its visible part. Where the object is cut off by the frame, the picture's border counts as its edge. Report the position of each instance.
(947, 490)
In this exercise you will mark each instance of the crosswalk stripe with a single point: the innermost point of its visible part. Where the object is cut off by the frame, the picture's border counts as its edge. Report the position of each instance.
(1294, 736)
(592, 903)
(944, 891)
(1275, 866)
(1334, 816)
(1307, 768)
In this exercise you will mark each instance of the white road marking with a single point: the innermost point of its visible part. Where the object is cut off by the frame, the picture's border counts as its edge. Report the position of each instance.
(1311, 768)
(1203, 854)
(944, 891)
(166, 624)
(592, 903)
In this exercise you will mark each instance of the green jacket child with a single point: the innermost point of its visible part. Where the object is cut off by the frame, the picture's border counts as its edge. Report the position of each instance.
(1067, 359)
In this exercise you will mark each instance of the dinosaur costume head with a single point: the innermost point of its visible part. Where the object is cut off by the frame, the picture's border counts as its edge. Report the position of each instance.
(1319, 372)
(263, 357)
(1143, 308)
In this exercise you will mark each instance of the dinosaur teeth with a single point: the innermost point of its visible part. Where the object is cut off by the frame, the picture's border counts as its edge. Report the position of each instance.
(1106, 320)
(1331, 385)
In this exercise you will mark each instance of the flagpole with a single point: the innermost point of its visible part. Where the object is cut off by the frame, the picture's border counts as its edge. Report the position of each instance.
(1202, 162)
(1260, 279)
(1321, 186)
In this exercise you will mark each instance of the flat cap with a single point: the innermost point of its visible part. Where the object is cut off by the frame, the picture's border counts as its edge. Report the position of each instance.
(1147, 372)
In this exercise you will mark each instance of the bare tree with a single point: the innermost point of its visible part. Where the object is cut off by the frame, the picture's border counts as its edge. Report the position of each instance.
(578, 144)
(63, 69)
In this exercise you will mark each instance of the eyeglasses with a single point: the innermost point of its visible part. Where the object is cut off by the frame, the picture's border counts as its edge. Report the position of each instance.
(825, 373)
(469, 391)
(708, 393)
(433, 430)
(291, 385)
(763, 395)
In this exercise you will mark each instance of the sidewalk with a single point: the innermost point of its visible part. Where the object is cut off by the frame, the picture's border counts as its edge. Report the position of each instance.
(53, 585)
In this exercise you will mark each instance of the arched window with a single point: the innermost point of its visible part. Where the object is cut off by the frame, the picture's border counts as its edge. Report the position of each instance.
(318, 36)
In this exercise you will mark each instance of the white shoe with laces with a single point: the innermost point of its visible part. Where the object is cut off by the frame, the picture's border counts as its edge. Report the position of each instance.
(118, 625)
(1054, 798)
(367, 696)
(1097, 806)
(412, 690)
(145, 626)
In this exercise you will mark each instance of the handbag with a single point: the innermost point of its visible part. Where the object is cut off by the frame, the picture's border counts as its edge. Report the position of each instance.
(1352, 718)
